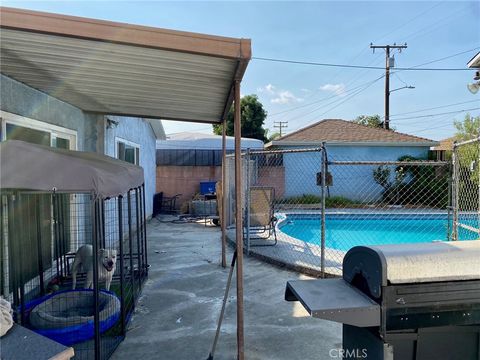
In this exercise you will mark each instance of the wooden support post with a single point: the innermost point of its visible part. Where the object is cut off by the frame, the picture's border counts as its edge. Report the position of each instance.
(238, 221)
(223, 221)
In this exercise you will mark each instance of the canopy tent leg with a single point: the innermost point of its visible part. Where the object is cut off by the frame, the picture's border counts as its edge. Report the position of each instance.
(238, 220)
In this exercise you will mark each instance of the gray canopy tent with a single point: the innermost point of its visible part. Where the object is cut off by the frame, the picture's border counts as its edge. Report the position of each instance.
(41, 168)
(54, 201)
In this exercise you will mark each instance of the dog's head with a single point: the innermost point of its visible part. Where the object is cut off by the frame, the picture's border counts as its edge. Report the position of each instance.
(108, 258)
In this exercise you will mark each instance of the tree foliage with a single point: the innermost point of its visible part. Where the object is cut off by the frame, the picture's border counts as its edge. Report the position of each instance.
(468, 154)
(412, 185)
(273, 136)
(369, 120)
(253, 117)
(381, 175)
(468, 128)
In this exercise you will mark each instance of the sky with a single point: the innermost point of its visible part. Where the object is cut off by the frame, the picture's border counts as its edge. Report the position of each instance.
(337, 32)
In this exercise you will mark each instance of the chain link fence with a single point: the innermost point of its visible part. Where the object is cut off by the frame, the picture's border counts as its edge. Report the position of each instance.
(306, 208)
(466, 189)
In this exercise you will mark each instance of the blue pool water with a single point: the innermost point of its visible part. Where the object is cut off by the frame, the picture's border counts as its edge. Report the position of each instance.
(345, 231)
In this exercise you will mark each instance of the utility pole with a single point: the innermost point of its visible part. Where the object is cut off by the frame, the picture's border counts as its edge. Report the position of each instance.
(280, 125)
(386, 122)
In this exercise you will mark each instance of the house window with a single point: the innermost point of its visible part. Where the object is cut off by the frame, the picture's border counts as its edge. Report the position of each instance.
(17, 132)
(128, 151)
(15, 127)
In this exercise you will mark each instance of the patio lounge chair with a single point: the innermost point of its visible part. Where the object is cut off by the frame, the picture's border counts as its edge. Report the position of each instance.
(261, 225)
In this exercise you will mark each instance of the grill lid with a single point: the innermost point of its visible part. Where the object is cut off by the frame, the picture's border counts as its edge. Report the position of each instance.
(371, 267)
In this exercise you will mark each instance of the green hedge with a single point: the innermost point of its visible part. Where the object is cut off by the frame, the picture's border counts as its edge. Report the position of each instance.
(307, 199)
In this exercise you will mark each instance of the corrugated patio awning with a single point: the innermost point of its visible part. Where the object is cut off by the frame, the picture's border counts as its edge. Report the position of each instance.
(121, 69)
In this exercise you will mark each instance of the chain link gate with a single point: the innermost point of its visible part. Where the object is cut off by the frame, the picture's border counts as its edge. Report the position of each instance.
(466, 190)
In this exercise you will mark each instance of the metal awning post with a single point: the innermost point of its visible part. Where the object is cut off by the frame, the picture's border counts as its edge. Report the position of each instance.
(323, 193)
(238, 220)
(456, 183)
(223, 221)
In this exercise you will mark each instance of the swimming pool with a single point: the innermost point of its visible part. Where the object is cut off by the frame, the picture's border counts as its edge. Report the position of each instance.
(343, 231)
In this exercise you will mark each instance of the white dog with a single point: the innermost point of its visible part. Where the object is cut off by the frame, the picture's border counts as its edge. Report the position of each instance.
(107, 260)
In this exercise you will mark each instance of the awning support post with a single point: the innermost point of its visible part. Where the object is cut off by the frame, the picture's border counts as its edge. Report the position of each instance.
(322, 229)
(238, 220)
(223, 220)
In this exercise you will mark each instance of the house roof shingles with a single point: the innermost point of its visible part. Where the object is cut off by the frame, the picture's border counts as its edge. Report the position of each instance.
(445, 144)
(337, 130)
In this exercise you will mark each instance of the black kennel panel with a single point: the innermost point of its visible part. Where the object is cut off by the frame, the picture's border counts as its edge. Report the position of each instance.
(40, 236)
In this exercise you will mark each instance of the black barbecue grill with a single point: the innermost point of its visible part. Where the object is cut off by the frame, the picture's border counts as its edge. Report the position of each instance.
(401, 302)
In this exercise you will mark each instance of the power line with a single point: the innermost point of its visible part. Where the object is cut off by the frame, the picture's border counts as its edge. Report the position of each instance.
(341, 102)
(398, 77)
(323, 99)
(409, 21)
(437, 24)
(355, 66)
(365, 71)
(434, 108)
(350, 82)
(444, 58)
(350, 90)
(340, 99)
(437, 114)
(352, 95)
(411, 68)
(434, 127)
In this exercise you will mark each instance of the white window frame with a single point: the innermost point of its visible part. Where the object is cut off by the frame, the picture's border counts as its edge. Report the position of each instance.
(54, 130)
(130, 143)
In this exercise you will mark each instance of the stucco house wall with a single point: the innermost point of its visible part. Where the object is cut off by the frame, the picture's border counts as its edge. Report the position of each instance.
(139, 132)
(92, 134)
(351, 181)
(20, 99)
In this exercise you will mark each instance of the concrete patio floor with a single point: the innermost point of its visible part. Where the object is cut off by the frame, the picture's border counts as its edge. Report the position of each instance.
(177, 313)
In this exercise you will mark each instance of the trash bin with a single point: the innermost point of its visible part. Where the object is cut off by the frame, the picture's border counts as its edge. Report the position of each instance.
(207, 187)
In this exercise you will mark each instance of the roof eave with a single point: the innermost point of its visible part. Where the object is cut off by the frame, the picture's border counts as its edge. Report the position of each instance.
(127, 34)
(228, 48)
(239, 72)
(353, 143)
(474, 62)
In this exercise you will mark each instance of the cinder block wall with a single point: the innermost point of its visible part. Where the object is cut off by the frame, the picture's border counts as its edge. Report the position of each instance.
(185, 180)
(272, 176)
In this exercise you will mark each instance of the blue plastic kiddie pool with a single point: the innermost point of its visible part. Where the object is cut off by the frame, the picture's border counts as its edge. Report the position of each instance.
(68, 316)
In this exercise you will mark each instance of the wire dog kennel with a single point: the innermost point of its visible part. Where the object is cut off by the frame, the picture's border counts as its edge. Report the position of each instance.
(60, 207)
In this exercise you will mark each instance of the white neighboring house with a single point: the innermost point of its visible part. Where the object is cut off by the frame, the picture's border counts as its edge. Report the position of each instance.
(199, 141)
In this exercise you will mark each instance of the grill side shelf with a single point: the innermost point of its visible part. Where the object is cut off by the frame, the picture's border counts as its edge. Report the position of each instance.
(334, 300)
